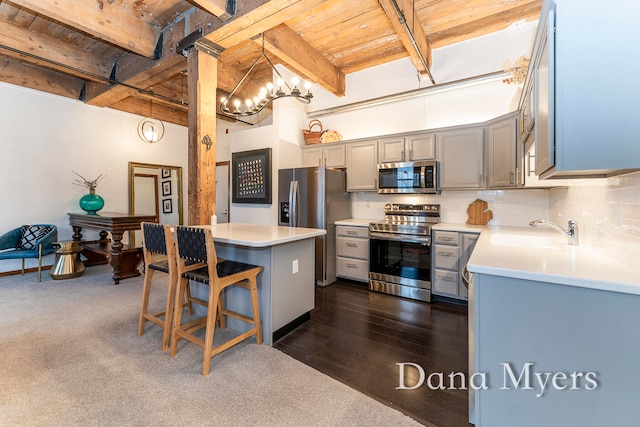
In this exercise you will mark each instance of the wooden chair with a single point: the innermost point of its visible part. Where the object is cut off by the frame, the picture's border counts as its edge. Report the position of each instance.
(195, 245)
(160, 255)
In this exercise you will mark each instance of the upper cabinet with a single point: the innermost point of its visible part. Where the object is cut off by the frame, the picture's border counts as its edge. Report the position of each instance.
(503, 168)
(461, 157)
(526, 117)
(362, 166)
(330, 155)
(585, 123)
(407, 148)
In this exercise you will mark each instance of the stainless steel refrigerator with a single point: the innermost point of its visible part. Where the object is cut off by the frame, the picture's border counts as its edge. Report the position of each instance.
(315, 197)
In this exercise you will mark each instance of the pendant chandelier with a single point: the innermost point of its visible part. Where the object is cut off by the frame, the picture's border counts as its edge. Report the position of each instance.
(150, 130)
(267, 94)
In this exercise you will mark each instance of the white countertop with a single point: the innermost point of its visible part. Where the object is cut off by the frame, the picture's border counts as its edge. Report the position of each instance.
(357, 222)
(544, 255)
(259, 235)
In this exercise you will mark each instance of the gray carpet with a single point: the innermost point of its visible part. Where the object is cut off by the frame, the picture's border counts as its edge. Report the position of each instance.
(70, 355)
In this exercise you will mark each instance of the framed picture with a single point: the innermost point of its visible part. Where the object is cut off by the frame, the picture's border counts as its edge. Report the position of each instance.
(167, 207)
(166, 188)
(251, 175)
(166, 173)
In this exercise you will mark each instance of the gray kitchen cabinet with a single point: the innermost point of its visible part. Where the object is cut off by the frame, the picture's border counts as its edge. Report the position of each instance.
(451, 251)
(362, 166)
(502, 162)
(352, 250)
(329, 155)
(460, 154)
(467, 244)
(406, 148)
(585, 128)
(526, 113)
(523, 330)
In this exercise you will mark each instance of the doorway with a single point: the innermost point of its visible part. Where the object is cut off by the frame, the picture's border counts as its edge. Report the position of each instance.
(222, 191)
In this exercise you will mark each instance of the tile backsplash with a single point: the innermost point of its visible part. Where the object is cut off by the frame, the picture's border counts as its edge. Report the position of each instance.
(607, 210)
(509, 207)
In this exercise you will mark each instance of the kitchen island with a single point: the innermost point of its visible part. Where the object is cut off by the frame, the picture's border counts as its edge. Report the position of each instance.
(553, 331)
(285, 287)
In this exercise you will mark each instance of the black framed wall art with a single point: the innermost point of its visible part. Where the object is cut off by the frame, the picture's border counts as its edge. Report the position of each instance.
(167, 206)
(166, 188)
(251, 176)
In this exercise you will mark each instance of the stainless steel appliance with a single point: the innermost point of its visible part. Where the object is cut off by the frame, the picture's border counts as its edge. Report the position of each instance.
(408, 177)
(400, 251)
(315, 197)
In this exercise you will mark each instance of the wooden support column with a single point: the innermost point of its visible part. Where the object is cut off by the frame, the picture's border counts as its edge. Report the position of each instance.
(202, 72)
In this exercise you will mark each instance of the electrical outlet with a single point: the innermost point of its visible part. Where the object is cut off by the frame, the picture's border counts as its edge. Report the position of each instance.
(294, 266)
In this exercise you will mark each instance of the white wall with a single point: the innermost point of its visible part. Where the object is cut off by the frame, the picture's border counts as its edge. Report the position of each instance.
(44, 137)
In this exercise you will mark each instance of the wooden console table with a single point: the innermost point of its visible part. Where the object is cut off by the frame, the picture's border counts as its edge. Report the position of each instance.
(124, 259)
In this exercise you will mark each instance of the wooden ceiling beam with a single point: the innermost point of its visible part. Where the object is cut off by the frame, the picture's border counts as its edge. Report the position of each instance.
(139, 106)
(136, 72)
(442, 16)
(422, 49)
(255, 20)
(485, 25)
(214, 7)
(292, 49)
(38, 49)
(103, 20)
(26, 75)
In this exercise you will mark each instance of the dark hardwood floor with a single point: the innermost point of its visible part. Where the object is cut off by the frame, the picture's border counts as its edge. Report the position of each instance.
(357, 337)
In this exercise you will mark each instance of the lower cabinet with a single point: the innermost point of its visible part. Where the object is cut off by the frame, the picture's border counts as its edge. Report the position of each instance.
(352, 250)
(451, 252)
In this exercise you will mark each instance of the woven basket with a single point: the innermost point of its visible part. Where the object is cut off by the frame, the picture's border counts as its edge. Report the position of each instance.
(311, 136)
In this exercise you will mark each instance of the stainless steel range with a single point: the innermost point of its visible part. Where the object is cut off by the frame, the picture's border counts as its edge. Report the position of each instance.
(400, 251)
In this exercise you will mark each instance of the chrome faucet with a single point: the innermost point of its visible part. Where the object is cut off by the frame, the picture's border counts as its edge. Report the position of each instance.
(571, 233)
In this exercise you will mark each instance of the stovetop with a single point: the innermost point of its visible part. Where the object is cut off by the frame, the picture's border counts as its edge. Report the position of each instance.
(407, 219)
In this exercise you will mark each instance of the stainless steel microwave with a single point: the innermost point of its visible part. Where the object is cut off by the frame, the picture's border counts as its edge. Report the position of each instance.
(408, 177)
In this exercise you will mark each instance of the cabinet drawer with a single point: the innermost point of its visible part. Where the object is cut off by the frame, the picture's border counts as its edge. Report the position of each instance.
(445, 282)
(356, 269)
(354, 248)
(445, 257)
(445, 237)
(349, 231)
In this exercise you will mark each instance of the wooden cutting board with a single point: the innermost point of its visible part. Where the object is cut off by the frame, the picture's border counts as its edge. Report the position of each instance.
(478, 212)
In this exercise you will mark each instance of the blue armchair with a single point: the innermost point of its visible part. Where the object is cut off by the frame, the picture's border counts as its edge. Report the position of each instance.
(29, 241)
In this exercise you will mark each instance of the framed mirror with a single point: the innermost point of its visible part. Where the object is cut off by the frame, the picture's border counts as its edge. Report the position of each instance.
(155, 190)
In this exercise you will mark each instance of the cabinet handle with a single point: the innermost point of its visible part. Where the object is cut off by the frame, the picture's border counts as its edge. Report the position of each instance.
(446, 278)
(351, 266)
(446, 239)
(445, 253)
(511, 176)
(352, 245)
(351, 233)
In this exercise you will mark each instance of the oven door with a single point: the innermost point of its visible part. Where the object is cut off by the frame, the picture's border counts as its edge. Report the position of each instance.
(400, 265)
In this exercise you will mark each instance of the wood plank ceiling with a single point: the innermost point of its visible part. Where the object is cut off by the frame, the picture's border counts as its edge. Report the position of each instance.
(122, 53)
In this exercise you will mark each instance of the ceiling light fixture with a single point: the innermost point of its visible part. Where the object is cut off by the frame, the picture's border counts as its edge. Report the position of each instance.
(150, 130)
(267, 94)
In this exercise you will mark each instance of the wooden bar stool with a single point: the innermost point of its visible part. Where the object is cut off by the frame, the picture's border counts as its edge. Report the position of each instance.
(160, 255)
(195, 245)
